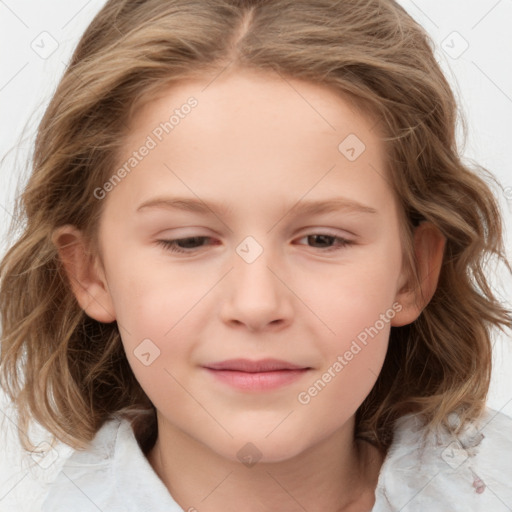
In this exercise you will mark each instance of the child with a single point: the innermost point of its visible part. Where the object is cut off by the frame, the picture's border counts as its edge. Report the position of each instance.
(172, 312)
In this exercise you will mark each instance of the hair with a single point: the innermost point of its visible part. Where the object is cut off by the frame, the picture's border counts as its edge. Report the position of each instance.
(69, 372)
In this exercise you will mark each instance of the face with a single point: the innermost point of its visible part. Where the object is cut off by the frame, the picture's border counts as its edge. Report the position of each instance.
(257, 224)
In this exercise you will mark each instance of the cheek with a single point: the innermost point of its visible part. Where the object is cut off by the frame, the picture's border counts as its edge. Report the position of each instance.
(359, 315)
(149, 301)
(352, 296)
(158, 342)
(156, 309)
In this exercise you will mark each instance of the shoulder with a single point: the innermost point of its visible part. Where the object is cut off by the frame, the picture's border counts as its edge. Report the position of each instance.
(111, 474)
(436, 471)
(25, 476)
(76, 484)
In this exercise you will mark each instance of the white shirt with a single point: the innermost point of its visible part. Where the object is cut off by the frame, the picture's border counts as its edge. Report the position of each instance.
(436, 473)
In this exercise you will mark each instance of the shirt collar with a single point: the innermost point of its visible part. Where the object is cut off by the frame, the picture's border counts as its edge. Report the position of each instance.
(421, 471)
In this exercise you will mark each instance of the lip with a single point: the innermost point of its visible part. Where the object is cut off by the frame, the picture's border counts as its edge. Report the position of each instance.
(247, 365)
(265, 374)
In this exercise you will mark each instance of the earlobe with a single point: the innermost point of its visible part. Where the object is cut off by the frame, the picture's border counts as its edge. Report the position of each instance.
(84, 273)
(429, 244)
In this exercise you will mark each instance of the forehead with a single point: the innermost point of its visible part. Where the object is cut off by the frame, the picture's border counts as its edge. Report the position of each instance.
(254, 132)
(244, 96)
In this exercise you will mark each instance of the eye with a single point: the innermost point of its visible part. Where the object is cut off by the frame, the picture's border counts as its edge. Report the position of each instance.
(188, 245)
(325, 239)
(184, 245)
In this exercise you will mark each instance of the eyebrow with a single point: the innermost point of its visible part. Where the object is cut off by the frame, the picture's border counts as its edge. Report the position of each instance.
(311, 207)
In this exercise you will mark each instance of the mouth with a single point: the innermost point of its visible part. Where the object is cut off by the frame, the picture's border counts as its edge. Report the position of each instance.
(265, 374)
(246, 365)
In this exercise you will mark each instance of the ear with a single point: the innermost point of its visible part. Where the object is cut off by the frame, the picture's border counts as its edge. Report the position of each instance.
(85, 273)
(429, 244)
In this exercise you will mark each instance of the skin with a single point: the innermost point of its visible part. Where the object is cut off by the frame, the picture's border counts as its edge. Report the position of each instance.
(257, 146)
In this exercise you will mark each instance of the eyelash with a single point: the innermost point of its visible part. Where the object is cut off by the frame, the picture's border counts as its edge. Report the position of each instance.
(171, 245)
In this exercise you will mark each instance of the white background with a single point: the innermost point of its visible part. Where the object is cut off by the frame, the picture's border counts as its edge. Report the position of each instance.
(480, 74)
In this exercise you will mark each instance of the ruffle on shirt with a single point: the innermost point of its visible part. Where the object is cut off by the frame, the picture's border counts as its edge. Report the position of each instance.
(443, 473)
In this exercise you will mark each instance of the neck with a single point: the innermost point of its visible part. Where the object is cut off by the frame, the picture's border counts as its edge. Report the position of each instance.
(338, 474)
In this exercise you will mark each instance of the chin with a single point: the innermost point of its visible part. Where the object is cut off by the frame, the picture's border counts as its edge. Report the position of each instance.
(256, 449)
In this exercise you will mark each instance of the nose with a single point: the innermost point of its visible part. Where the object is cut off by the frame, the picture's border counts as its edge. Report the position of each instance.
(257, 296)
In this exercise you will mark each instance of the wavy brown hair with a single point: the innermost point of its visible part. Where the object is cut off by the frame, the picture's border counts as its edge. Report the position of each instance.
(69, 372)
